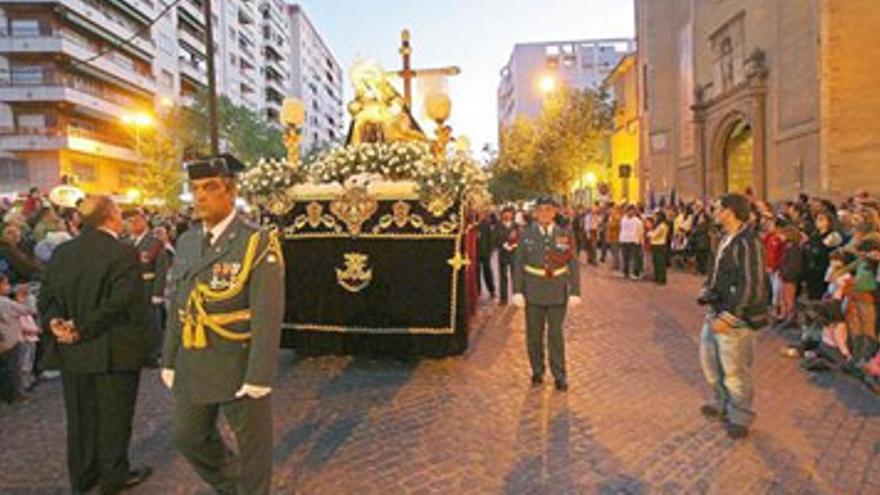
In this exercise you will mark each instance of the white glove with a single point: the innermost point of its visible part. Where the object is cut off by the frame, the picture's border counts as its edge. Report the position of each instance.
(167, 375)
(156, 300)
(574, 301)
(252, 391)
(519, 301)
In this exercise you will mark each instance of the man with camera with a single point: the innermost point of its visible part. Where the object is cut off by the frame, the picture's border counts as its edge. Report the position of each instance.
(735, 296)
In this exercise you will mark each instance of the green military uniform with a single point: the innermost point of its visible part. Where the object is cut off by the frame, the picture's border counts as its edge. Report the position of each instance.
(224, 325)
(545, 272)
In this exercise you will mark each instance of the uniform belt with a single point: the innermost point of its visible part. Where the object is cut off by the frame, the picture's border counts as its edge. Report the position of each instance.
(194, 327)
(543, 272)
(149, 276)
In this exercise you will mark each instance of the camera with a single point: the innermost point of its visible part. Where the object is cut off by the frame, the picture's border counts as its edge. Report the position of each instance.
(708, 297)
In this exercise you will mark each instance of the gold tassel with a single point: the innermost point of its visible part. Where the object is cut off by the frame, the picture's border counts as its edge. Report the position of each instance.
(200, 340)
(186, 334)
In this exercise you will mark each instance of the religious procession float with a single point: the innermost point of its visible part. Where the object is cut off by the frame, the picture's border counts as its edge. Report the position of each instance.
(375, 232)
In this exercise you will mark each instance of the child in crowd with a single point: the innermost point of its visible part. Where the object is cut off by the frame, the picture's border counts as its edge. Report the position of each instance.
(861, 315)
(11, 338)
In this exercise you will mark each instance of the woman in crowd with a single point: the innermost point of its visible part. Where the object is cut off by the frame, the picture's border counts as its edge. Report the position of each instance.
(659, 239)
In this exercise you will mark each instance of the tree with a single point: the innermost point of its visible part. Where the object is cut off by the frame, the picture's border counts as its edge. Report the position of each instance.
(547, 154)
(243, 132)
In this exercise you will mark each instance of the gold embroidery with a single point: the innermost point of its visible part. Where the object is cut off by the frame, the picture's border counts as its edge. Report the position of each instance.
(438, 201)
(356, 277)
(354, 207)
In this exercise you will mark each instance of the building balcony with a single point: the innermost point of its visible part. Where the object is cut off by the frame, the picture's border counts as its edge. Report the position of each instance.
(190, 38)
(191, 13)
(195, 73)
(91, 101)
(101, 21)
(61, 43)
(70, 138)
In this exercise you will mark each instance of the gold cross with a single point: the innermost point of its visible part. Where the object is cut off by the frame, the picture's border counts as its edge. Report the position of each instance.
(458, 261)
(408, 73)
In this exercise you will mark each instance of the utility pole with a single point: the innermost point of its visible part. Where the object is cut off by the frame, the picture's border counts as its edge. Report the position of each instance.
(212, 80)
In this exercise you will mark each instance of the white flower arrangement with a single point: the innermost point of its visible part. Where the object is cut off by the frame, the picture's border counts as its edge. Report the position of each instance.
(271, 182)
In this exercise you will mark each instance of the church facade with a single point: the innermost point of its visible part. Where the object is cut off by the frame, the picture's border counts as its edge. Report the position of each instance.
(773, 97)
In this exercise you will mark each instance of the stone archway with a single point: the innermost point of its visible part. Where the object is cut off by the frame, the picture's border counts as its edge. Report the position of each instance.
(739, 159)
(733, 156)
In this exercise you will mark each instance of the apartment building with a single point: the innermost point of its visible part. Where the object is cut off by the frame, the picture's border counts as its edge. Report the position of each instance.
(316, 78)
(537, 68)
(61, 105)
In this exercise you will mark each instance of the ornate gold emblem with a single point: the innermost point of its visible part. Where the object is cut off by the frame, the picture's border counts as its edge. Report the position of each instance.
(354, 207)
(314, 211)
(400, 213)
(355, 277)
(438, 201)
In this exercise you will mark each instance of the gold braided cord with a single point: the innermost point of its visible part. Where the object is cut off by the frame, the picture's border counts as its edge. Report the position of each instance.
(196, 318)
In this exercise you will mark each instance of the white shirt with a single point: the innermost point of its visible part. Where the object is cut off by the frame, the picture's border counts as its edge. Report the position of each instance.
(546, 230)
(217, 230)
(140, 238)
(631, 230)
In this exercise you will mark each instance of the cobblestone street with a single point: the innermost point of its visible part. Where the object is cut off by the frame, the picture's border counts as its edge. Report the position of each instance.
(629, 424)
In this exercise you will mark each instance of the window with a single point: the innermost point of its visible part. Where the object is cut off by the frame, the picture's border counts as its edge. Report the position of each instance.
(85, 172)
(13, 170)
(27, 74)
(32, 120)
(25, 27)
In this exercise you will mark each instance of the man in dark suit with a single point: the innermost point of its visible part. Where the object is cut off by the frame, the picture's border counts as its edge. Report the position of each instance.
(221, 345)
(507, 234)
(485, 247)
(154, 261)
(99, 339)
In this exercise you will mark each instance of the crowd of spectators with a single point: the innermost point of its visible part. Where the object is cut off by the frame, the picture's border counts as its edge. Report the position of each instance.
(31, 227)
(821, 260)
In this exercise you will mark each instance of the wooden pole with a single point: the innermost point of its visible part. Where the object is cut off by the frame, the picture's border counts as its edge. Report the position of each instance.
(213, 122)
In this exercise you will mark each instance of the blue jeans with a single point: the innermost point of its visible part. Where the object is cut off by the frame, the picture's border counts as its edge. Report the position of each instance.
(727, 365)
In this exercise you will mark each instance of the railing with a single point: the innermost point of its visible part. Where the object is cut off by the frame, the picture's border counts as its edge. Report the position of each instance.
(72, 82)
(66, 131)
(93, 49)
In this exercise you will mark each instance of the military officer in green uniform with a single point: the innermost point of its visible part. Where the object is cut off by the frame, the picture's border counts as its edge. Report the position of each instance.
(546, 281)
(221, 345)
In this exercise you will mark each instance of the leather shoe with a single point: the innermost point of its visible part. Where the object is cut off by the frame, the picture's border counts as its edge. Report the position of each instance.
(537, 380)
(736, 432)
(137, 476)
(561, 386)
(711, 412)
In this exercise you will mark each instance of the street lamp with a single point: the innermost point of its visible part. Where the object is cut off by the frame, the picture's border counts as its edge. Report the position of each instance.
(547, 84)
(139, 120)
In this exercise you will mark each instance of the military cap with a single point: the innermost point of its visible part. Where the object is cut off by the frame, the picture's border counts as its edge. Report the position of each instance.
(223, 165)
(546, 201)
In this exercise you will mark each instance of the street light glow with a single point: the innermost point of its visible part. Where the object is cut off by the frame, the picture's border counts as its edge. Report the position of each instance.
(547, 84)
(140, 119)
(591, 179)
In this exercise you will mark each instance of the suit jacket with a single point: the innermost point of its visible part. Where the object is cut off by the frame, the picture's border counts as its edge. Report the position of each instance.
(95, 280)
(537, 251)
(154, 263)
(509, 236)
(213, 374)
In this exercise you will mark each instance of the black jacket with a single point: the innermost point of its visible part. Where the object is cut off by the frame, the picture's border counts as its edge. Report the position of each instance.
(737, 284)
(95, 280)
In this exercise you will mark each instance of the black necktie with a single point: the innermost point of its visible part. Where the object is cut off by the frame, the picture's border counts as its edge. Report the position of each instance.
(206, 242)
